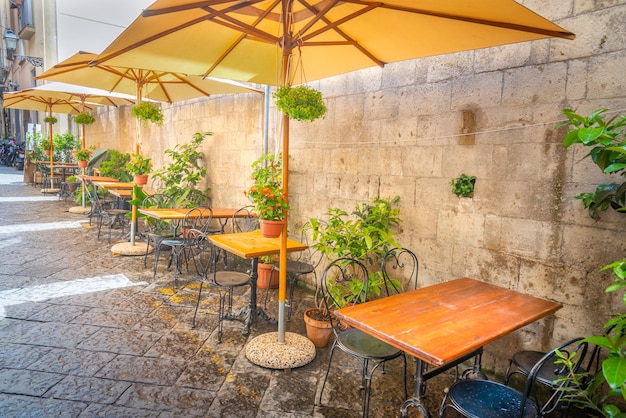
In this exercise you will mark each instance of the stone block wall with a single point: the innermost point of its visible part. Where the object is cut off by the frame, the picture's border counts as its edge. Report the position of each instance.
(410, 128)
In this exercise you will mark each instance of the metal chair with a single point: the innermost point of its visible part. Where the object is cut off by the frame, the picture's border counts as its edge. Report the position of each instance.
(157, 230)
(399, 268)
(357, 344)
(304, 263)
(195, 218)
(223, 280)
(107, 215)
(522, 362)
(484, 398)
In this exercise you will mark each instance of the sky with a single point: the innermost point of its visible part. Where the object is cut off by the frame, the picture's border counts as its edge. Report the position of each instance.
(91, 25)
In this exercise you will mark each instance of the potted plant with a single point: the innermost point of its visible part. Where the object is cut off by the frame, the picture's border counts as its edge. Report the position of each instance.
(301, 103)
(365, 235)
(463, 186)
(83, 156)
(267, 194)
(84, 118)
(47, 147)
(139, 166)
(50, 119)
(147, 111)
(180, 178)
(268, 276)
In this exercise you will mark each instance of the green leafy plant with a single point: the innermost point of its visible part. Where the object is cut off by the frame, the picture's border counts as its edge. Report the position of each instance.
(365, 235)
(139, 165)
(608, 151)
(50, 119)
(72, 179)
(301, 103)
(84, 118)
(268, 259)
(83, 154)
(180, 178)
(463, 186)
(605, 392)
(267, 192)
(46, 145)
(115, 165)
(147, 111)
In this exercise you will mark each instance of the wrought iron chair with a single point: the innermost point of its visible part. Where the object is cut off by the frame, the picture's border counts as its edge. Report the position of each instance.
(485, 398)
(107, 215)
(399, 268)
(157, 230)
(357, 344)
(223, 280)
(304, 263)
(194, 219)
(522, 362)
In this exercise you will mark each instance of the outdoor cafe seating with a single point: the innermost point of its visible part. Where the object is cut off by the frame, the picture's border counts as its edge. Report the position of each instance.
(106, 212)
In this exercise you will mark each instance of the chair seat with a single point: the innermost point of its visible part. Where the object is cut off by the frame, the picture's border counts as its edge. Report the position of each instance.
(362, 344)
(296, 267)
(487, 399)
(231, 278)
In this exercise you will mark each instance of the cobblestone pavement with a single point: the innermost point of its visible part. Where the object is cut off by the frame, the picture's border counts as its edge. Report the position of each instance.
(84, 333)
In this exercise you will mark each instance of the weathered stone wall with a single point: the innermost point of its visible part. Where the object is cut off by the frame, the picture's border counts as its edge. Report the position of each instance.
(409, 128)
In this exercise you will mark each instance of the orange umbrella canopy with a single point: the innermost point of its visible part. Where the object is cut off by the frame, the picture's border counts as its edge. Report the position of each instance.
(141, 82)
(244, 40)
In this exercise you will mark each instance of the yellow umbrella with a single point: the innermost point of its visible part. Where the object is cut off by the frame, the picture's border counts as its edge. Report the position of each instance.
(32, 99)
(164, 86)
(288, 42)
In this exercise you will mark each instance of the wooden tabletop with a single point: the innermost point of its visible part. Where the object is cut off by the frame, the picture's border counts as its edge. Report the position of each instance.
(253, 244)
(443, 322)
(96, 178)
(180, 213)
(113, 184)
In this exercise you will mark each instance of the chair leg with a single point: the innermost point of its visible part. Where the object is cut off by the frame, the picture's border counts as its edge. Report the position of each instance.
(220, 316)
(330, 359)
(195, 312)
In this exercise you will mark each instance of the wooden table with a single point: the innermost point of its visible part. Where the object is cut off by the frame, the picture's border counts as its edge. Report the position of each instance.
(113, 184)
(445, 324)
(96, 178)
(221, 214)
(252, 245)
(64, 167)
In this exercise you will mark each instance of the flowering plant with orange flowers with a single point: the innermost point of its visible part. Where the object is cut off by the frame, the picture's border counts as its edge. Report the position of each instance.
(267, 193)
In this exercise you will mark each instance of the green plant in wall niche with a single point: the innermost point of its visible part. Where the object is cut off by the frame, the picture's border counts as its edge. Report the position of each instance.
(463, 186)
(608, 151)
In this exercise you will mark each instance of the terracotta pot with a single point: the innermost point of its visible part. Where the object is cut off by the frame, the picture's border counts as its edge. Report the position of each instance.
(47, 152)
(83, 164)
(317, 331)
(141, 179)
(271, 229)
(268, 277)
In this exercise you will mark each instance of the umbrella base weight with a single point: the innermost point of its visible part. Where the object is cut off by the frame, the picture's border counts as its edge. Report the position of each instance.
(266, 351)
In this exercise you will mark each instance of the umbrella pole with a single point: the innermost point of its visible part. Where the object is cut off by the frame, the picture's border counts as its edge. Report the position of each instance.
(133, 220)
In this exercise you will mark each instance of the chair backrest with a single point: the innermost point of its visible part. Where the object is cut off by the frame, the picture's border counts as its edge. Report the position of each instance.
(576, 349)
(197, 218)
(399, 268)
(343, 283)
(244, 220)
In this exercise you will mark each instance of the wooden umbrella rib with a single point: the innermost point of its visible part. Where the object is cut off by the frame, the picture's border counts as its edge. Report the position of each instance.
(321, 15)
(504, 25)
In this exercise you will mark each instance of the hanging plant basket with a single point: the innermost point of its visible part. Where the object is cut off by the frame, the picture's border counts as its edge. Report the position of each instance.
(301, 103)
(84, 119)
(50, 119)
(147, 111)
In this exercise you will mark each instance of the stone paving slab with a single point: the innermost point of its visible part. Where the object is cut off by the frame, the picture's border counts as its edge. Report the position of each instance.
(84, 351)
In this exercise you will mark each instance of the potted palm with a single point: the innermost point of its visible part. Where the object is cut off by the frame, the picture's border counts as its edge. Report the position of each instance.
(267, 194)
(139, 167)
(83, 156)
